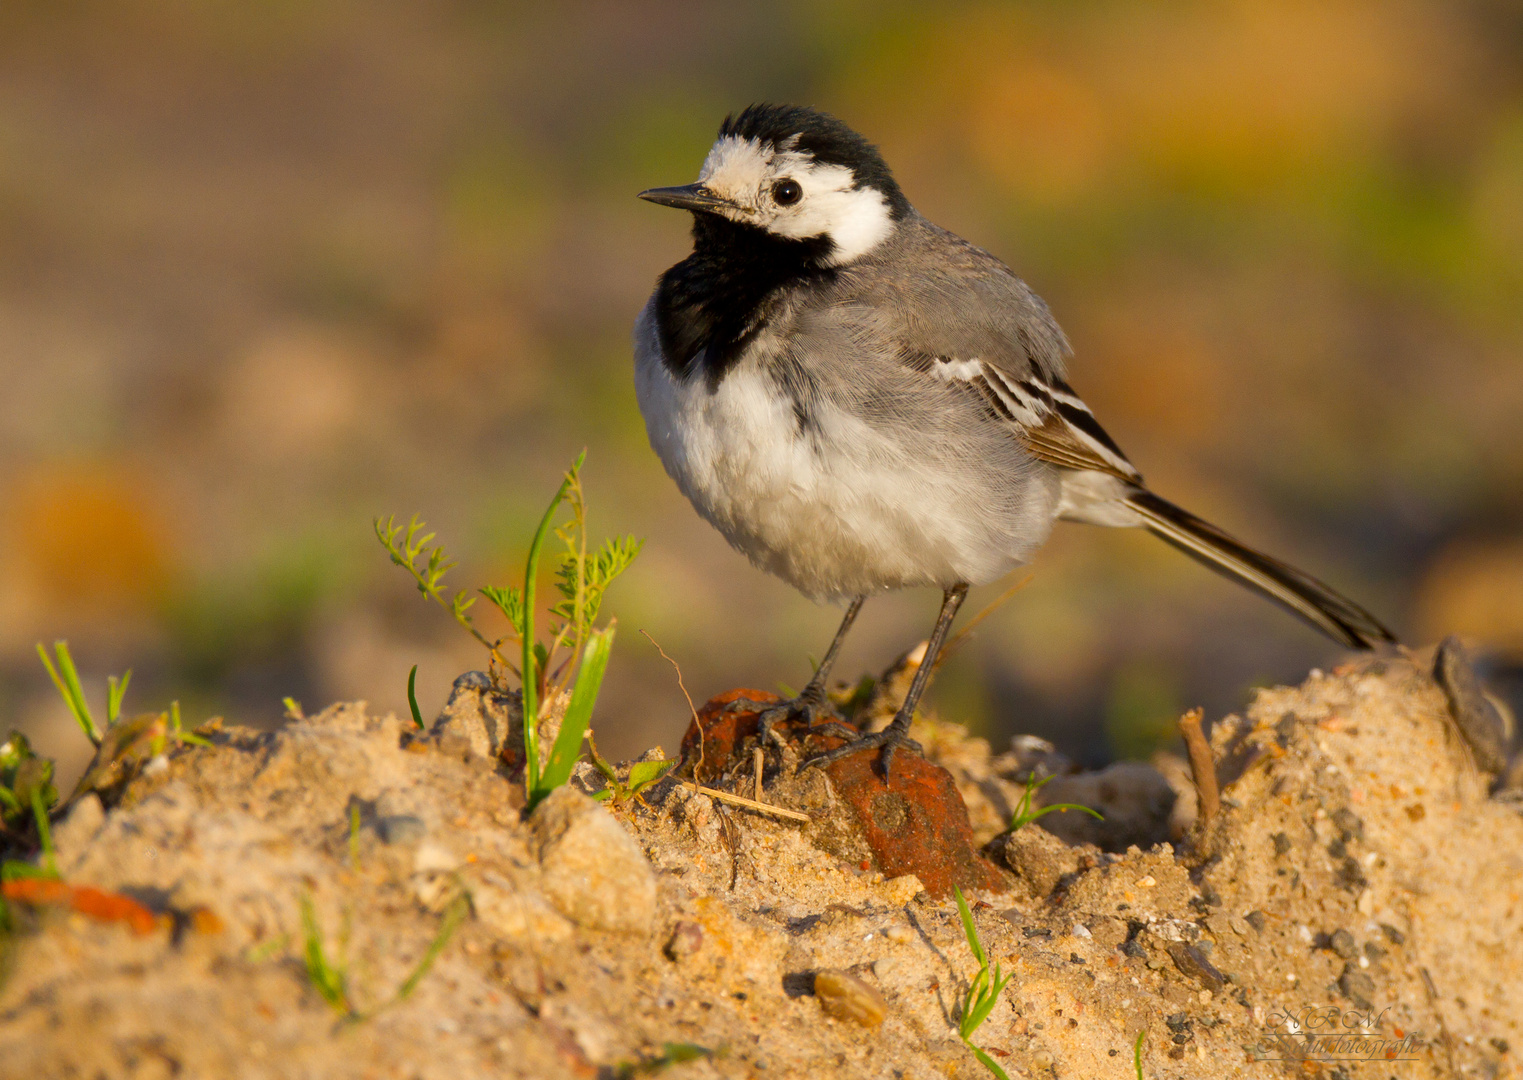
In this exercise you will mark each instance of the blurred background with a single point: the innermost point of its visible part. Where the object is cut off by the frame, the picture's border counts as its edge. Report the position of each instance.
(270, 270)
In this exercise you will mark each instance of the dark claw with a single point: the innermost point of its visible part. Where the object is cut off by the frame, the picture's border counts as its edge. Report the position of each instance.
(807, 707)
(888, 740)
(835, 728)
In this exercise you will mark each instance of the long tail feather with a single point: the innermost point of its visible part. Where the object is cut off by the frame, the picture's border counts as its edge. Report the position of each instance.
(1330, 612)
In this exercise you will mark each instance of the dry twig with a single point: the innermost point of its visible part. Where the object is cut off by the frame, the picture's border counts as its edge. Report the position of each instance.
(1202, 767)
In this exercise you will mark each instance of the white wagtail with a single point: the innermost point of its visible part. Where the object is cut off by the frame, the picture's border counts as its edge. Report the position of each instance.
(861, 401)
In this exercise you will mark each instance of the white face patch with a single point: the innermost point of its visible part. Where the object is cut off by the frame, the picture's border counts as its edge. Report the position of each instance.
(856, 219)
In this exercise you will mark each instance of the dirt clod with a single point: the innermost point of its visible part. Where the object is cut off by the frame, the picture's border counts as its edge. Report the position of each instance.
(591, 870)
(847, 997)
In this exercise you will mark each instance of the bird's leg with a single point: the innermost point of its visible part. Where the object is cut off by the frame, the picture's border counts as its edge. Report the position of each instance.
(897, 733)
(812, 700)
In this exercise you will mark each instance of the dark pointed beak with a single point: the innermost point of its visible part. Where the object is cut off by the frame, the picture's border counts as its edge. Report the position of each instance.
(688, 197)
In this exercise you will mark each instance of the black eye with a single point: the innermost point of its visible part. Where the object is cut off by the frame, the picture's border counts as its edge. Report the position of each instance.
(787, 192)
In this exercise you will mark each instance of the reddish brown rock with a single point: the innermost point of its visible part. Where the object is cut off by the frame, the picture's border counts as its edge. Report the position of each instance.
(914, 822)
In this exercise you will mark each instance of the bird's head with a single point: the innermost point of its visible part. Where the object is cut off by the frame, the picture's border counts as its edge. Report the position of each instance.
(798, 174)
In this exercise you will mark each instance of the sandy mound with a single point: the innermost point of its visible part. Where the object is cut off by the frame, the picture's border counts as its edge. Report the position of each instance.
(1358, 882)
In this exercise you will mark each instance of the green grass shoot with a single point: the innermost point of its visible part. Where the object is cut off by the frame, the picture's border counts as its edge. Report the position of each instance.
(66, 678)
(454, 915)
(44, 833)
(412, 697)
(571, 658)
(1137, 1052)
(671, 1054)
(983, 992)
(1025, 815)
(329, 979)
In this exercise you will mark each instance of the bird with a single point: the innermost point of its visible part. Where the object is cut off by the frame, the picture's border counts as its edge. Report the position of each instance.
(861, 401)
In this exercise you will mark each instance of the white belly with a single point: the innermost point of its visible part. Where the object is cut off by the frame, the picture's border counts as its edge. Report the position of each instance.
(845, 510)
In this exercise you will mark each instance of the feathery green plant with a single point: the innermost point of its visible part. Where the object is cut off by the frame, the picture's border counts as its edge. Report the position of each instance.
(1025, 815)
(983, 992)
(574, 655)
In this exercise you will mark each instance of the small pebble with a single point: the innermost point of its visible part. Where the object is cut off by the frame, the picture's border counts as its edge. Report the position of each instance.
(401, 829)
(1342, 943)
(1257, 919)
(847, 997)
(686, 939)
(1393, 935)
(1357, 986)
(1193, 964)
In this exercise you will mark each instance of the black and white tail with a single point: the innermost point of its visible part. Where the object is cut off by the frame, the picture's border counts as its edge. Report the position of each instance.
(1335, 615)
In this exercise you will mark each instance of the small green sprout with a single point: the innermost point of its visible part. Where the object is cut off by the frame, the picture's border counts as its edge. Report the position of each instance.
(25, 777)
(329, 979)
(671, 1054)
(581, 577)
(412, 697)
(258, 954)
(983, 992)
(1025, 815)
(1137, 1052)
(642, 774)
(454, 915)
(66, 678)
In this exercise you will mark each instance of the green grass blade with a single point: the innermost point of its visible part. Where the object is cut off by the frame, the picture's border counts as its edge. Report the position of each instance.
(44, 833)
(989, 1063)
(327, 980)
(115, 691)
(568, 744)
(529, 670)
(1056, 807)
(454, 915)
(66, 678)
(1137, 1052)
(969, 929)
(412, 697)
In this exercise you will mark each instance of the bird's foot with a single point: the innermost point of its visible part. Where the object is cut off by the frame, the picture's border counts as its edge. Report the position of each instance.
(809, 707)
(887, 741)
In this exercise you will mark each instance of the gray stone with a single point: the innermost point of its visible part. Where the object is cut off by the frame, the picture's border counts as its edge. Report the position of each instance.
(401, 829)
(1192, 963)
(1474, 713)
(1133, 797)
(484, 717)
(1037, 856)
(592, 870)
(1343, 945)
(1357, 986)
